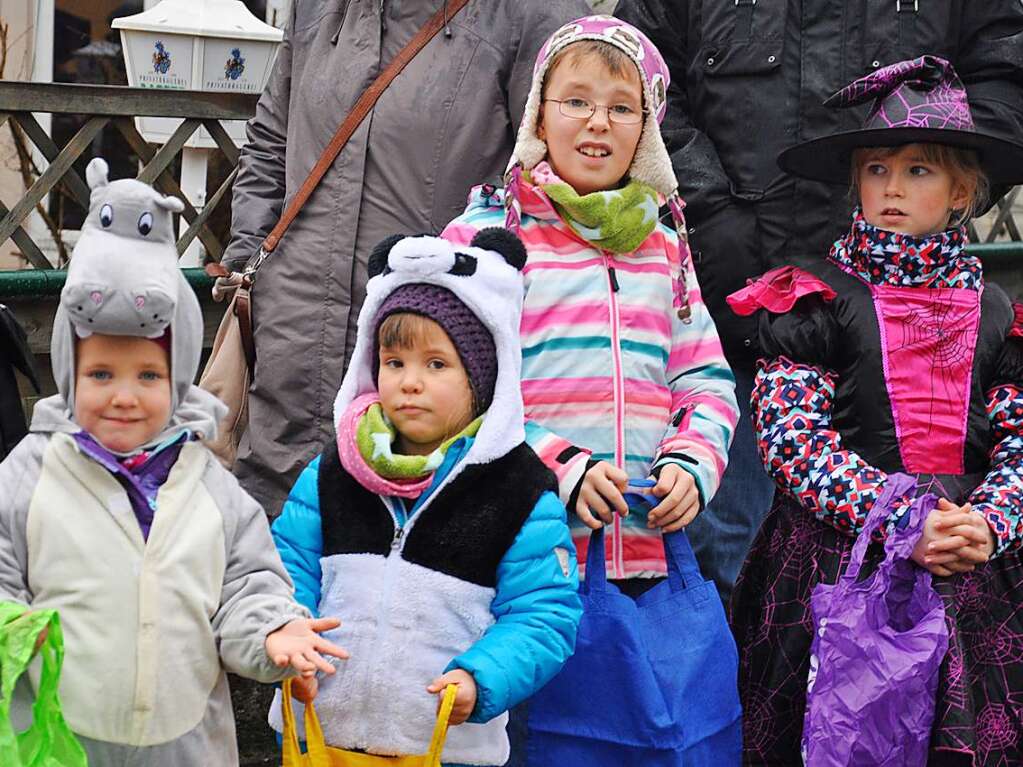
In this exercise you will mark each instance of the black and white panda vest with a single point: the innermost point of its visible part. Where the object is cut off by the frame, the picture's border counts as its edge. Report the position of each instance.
(415, 598)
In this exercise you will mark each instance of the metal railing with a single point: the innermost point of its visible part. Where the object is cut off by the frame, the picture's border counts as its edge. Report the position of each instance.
(117, 107)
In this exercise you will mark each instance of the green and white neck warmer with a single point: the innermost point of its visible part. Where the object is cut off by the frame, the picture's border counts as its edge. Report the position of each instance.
(617, 220)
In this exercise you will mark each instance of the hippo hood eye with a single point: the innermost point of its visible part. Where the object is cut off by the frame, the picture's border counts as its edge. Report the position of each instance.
(145, 223)
(106, 215)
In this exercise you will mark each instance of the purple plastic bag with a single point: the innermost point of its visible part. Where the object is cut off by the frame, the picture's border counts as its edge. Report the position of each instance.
(877, 648)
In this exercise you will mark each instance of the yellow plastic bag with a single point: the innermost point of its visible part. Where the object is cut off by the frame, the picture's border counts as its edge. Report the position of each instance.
(321, 755)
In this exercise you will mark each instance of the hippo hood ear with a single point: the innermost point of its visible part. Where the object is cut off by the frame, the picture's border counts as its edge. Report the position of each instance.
(501, 241)
(173, 204)
(97, 173)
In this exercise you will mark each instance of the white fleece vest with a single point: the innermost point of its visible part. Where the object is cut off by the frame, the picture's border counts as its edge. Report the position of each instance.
(402, 624)
(140, 656)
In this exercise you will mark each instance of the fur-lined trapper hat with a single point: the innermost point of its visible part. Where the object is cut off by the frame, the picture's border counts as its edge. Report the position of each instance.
(651, 164)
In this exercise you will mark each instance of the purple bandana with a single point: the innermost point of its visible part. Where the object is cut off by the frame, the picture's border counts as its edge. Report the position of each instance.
(140, 475)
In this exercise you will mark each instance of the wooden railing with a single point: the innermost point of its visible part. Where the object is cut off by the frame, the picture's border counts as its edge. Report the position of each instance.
(118, 106)
(997, 240)
(1003, 224)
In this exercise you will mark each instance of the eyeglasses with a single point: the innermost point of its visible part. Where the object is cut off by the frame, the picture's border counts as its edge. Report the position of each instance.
(581, 109)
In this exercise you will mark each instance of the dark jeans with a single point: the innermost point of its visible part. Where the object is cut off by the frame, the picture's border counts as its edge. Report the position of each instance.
(722, 535)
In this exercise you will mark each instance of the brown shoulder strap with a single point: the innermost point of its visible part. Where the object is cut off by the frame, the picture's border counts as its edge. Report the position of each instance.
(362, 107)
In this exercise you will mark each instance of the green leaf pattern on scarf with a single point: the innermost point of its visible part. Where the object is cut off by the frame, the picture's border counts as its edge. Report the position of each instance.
(617, 220)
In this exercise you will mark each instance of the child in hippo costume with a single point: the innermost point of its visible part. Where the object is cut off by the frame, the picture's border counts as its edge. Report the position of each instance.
(114, 514)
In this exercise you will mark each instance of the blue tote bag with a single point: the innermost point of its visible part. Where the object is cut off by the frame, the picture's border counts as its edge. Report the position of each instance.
(652, 682)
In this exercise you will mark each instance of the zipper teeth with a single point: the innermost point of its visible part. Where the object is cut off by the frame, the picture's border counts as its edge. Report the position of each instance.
(617, 387)
(389, 564)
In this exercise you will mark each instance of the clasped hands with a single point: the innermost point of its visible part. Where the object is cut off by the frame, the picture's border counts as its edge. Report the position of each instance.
(954, 540)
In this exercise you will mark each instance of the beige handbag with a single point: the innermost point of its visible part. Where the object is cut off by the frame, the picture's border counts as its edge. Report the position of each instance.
(228, 373)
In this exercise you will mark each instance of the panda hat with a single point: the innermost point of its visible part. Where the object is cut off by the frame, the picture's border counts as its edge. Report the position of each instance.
(486, 277)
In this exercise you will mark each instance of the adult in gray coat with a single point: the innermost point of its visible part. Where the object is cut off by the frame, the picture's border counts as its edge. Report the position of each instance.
(447, 122)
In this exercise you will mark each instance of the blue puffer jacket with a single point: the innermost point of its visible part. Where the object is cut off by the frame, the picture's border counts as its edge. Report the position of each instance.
(534, 609)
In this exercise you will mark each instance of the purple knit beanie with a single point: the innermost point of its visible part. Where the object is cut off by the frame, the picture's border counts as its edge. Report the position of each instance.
(469, 336)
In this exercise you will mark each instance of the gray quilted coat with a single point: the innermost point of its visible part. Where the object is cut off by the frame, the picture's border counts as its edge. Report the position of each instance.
(446, 123)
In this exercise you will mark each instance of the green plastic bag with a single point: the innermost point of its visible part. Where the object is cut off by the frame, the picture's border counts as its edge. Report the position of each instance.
(49, 742)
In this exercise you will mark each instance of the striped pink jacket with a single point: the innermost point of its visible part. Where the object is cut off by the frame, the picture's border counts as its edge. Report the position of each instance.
(609, 371)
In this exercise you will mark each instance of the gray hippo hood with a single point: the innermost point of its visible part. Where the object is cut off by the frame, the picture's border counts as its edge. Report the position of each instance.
(124, 280)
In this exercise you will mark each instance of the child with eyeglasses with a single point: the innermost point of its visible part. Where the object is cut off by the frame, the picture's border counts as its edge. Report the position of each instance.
(622, 372)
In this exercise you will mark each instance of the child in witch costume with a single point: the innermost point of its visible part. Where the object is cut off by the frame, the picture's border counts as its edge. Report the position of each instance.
(430, 526)
(892, 355)
(623, 374)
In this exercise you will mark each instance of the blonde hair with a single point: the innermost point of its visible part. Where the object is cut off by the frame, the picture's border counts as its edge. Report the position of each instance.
(615, 59)
(405, 330)
(962, 165)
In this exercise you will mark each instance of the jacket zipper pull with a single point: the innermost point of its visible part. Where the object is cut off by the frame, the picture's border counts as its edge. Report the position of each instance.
(396, 541)
(614, 279)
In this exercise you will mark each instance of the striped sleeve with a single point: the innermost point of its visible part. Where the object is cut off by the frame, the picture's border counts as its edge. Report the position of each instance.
(481, 212)
(703, 404)
(566, 460)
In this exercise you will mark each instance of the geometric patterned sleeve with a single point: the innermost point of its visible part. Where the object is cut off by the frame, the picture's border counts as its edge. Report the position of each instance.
(999, 498)
(792, 407)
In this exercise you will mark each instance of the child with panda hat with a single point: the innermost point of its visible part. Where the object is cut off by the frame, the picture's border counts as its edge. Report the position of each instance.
(430, 528)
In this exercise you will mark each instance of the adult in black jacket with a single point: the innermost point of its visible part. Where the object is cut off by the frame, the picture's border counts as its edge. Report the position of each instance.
(749, 78)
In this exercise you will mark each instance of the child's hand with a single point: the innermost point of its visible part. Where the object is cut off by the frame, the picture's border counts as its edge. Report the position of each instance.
(968, 539)
(299, 645)
(41, 639)
(601, 494)
(680, 499)
(304, 688)
(955, 540)
(465, 698)
(930, 535)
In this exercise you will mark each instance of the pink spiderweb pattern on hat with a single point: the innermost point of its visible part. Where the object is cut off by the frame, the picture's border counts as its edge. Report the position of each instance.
(925, 92)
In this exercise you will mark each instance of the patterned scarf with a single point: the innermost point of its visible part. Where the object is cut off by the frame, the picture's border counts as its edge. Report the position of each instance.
(617, 220)
(880, 257)
(375, 436)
